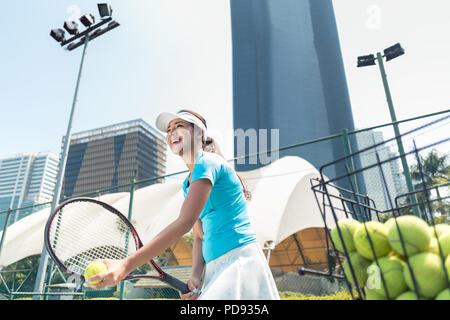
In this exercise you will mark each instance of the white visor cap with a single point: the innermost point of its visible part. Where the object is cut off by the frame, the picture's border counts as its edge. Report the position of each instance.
(164, 118)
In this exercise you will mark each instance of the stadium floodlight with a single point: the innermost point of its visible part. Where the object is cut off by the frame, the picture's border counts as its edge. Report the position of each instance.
(365, 61)
(113, 24)
(71, 27)
(104, 10)
(75, 45)
(78, 39)
(87, 20)
(58, 34)
(393, 52)
(369, 60)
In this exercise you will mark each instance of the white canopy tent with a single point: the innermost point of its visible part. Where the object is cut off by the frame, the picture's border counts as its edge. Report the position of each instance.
(282, 203)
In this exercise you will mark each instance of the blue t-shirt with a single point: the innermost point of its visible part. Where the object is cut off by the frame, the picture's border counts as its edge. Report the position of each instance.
(225, 221)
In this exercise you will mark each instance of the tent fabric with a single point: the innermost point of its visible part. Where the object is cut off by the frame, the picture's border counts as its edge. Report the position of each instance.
(282, 204)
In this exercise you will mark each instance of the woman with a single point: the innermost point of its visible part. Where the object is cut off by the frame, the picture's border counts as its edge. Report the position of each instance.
(225, 250)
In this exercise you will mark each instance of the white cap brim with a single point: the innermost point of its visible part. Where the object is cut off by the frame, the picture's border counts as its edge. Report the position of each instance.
(163, 120)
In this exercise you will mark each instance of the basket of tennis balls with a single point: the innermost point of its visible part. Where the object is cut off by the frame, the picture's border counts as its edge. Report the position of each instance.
(401, 259)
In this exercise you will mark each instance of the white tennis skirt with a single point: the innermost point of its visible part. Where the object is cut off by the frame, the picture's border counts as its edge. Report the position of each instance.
(240, 274)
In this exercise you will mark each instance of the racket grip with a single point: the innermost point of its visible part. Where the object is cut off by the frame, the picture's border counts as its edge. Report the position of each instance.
(177, 284)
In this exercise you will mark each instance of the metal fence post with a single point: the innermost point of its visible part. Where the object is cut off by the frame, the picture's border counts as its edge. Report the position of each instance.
(350, 163)
(43, 262)
(350, 169)
(401, 149)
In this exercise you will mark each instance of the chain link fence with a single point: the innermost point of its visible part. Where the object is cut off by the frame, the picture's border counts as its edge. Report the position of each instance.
(17, 279)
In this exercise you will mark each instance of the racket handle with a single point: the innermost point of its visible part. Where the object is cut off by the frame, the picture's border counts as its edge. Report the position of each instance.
(177, 284)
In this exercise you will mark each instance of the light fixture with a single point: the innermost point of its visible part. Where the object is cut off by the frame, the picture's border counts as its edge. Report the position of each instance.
(104, 10)
(113, 24)
(71, 27)
(58, 34)
(87, 20)
(394, 52)
(96, 32)
(364, 61)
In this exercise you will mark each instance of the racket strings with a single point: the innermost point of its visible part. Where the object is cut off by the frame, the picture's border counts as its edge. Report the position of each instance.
(86, 231)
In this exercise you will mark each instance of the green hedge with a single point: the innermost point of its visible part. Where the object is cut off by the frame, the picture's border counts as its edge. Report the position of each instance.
(284, 295)
(289, 295)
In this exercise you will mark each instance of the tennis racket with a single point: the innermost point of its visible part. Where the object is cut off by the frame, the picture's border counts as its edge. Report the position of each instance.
(81, 230)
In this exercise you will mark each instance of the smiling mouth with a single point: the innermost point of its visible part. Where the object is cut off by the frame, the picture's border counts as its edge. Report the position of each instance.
(175, 142)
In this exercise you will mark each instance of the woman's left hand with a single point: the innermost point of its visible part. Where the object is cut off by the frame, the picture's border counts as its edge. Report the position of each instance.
(111, 277)
(194, 288)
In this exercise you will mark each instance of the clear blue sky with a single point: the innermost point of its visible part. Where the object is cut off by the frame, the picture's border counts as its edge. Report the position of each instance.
(169, 54)
(166, 55)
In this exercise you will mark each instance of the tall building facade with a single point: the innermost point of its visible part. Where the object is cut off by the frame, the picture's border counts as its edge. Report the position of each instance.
(288, 75)
(111, 156)
(26, 180)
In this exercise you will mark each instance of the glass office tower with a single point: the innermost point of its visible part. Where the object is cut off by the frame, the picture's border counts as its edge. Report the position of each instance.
(288, 74)
(26, 180)
(112, 156)
(382, 191)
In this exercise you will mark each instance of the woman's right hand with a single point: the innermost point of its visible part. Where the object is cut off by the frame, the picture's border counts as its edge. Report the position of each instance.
(116, 271)
(194, 288)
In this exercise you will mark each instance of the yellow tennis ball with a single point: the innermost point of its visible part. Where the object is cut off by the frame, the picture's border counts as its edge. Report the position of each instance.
(447, 266)
(94, 268)
(444, 241)
(372, 295)
(440, 229)
(429, 274)
(409, 295)
(388, 277)
(415, 234)
(378, 237)
(443, 295)
(359, 265)
(433, 248)
(347, 228)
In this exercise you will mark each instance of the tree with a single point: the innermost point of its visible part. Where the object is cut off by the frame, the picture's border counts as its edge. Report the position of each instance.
(434, 171)
(20, 274)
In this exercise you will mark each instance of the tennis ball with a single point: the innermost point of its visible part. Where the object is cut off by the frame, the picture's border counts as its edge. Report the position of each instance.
(428, 272)
(444, 241)
(372, 295)
(391, 268)
(443, 295)
(408, 295)
(414, 233)
(440, 229)
(94, 268)
(359, 265)
(433, 248)
(347, 228)
(447, 266)
(392, 253)
(378, 236)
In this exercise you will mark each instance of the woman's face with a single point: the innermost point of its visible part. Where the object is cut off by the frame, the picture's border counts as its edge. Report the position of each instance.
(179, 136)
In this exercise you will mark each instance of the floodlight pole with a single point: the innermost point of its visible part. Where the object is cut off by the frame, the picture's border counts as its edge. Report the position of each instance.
(43, 262)
(401, 149)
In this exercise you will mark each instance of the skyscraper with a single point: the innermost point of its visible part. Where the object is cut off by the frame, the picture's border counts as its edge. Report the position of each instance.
(288, 75)
(382, 193)
(26, 180)
(112, 156)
